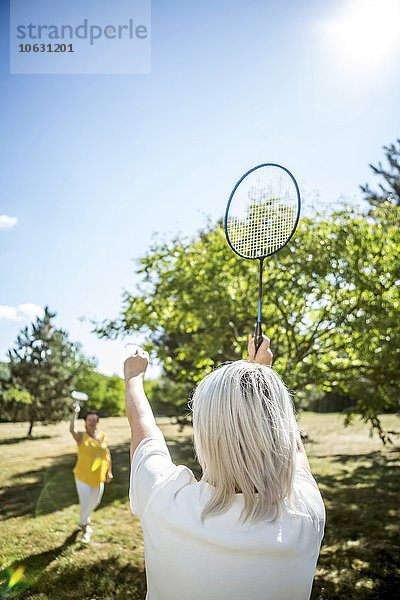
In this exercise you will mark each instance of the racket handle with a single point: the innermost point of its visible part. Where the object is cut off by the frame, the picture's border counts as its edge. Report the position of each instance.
(258, 336)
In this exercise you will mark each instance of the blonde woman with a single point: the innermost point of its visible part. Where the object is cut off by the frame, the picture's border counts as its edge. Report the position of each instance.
(92, 468)
(252, 526)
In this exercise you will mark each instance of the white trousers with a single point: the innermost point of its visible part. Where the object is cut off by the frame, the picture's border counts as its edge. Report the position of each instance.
(89, 498)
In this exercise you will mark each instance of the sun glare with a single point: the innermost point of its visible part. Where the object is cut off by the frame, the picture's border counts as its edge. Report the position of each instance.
(365, 37)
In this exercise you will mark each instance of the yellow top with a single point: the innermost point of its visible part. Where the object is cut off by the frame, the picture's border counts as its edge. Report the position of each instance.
(93, 460)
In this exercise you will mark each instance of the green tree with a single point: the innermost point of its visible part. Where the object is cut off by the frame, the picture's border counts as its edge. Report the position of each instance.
(106, 394)
(42, 370)
(331, 308)
(389, 190)
(168, 398)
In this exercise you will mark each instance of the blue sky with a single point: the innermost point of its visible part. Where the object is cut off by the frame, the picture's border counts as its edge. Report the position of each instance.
(93, 165)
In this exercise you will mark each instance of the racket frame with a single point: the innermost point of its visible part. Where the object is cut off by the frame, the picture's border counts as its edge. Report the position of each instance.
(258, 336)
(230, 201)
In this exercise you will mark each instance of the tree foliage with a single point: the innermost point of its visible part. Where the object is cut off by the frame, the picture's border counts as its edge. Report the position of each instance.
(331, 308)
(40, 375)
(389, 189)
(106, 394)
(168, 398)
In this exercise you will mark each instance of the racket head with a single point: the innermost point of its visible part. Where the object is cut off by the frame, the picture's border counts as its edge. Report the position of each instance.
(79, 396)
(263, 211)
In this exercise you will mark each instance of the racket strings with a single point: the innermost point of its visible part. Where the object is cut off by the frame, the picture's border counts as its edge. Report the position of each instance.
(263, 213)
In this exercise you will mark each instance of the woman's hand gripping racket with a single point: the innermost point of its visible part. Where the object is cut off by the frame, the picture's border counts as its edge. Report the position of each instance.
(262, 215)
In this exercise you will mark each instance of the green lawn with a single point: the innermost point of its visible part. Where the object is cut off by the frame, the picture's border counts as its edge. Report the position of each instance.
(358, 478)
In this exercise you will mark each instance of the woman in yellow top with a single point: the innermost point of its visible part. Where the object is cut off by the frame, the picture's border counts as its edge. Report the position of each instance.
(92, 469)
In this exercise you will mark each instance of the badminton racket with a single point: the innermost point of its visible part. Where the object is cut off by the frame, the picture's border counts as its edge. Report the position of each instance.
(261, 216)
(79, 397)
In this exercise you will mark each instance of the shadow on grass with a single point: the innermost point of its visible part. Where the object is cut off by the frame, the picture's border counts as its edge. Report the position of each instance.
(105, 579)
(17, 440)
(31, 492)
(33, 566)
(360, 554)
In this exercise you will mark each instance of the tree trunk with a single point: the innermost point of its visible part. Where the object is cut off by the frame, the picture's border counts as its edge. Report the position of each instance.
(30, 429)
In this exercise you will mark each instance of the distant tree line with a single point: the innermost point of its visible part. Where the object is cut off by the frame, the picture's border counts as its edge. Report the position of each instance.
(42, 370)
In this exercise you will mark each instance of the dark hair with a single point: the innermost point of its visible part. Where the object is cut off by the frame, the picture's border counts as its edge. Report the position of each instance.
(92, 412)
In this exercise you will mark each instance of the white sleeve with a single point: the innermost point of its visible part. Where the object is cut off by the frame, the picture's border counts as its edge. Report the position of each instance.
(151, 466)
(310, 498)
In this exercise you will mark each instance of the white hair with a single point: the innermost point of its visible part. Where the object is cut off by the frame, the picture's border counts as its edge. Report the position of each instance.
(245, 439)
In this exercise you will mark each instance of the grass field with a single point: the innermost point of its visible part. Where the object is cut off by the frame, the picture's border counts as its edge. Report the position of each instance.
(358, 478)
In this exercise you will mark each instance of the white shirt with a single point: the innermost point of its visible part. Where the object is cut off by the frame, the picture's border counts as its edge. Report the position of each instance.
(222, 558)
